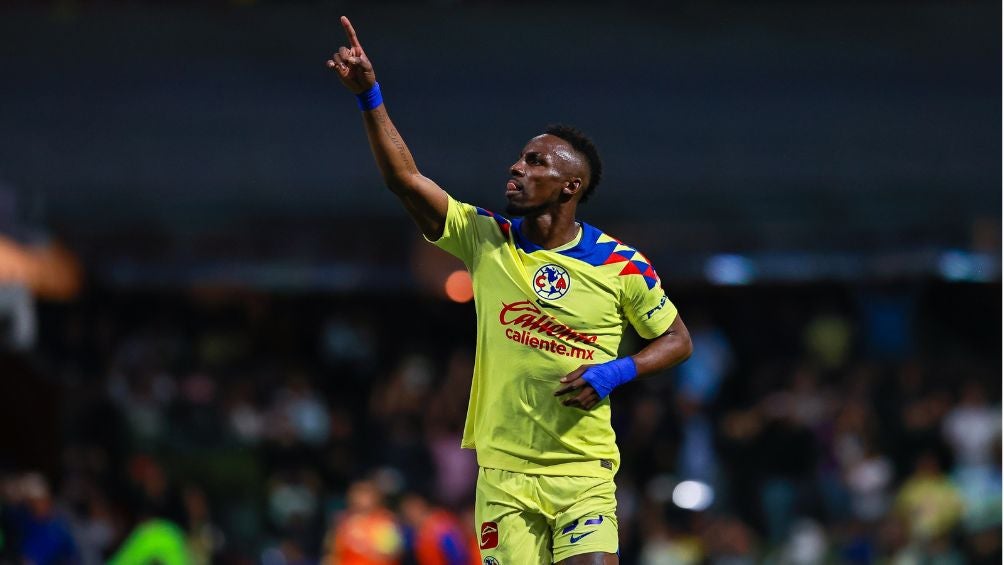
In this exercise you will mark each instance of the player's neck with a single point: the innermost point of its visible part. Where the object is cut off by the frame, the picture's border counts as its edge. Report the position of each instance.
(550, 229)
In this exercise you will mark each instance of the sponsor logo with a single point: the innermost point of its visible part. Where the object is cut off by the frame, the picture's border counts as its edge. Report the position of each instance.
(571, 527)
(551, 282)
(549, 345)
(489, 537)
(527, 316)
(648, 315)
(526, 320)
(491, 561)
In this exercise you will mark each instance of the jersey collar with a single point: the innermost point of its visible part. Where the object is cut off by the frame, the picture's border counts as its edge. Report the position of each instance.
(584, 250)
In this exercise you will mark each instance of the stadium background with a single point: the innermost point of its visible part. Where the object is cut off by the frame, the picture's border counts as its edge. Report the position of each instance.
(212, 313)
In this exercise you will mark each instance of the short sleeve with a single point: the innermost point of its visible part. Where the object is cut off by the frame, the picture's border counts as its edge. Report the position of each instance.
(460, 237)
(647, 307)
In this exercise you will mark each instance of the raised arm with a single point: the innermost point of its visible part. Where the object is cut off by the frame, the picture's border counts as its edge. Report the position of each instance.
(425, 201)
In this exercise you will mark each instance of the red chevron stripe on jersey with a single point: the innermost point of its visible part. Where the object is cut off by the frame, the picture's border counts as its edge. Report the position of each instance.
(502, 221)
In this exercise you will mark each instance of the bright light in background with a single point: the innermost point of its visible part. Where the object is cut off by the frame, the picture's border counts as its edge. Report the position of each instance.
(956, 265)
(459, 287)
(729, 269)
(693, 495)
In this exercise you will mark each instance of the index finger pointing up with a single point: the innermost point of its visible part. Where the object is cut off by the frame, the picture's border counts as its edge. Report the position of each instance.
(353, 40)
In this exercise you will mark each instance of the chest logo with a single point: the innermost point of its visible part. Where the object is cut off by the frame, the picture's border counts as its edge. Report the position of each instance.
(551, 282)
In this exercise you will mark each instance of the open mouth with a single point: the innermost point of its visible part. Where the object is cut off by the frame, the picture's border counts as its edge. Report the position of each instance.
(512, 188)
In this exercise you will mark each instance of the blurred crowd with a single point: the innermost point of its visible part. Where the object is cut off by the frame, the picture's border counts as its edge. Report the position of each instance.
(817, 426)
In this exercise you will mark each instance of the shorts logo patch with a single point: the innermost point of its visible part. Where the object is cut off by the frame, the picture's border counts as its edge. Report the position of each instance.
(551, 282)
(571, 527)
(489, 539)
(491, 561)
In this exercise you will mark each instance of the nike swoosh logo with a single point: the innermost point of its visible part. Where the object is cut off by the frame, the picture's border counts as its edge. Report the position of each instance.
(575, 539)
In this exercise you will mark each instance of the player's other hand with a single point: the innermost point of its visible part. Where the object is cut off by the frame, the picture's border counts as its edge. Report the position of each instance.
(353, 67)
(582, 393)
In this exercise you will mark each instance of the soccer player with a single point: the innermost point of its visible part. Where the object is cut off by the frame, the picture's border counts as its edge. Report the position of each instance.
(553, 297)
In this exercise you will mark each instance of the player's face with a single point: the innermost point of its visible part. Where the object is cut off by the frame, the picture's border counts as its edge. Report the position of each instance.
(541, 177)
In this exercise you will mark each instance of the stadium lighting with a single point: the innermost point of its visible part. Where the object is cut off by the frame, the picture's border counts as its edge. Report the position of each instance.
(693, 495)
(729, 270)
(459, 287)
(956, 265)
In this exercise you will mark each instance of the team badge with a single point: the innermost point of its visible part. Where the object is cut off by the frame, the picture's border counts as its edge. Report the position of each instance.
(491, 561)
(551, 282)
(489, 536)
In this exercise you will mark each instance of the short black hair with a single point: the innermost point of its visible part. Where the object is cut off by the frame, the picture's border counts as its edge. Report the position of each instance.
(583, 144)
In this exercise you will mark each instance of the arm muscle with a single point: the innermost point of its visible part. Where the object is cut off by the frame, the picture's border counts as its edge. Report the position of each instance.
(669, 349)
(424, 200)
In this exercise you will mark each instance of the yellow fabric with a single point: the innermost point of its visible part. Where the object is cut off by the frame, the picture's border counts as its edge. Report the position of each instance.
(541, 519)
(931, 505)
(528, 339)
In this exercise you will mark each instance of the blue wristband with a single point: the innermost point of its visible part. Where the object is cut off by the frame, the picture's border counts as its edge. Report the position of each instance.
(605, 377)
(371, 98)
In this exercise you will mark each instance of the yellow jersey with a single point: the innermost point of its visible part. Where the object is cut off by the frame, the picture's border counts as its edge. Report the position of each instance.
(541, 314)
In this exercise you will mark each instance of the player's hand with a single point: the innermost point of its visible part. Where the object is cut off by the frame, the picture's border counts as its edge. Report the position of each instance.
(583, 394)
(353, 67)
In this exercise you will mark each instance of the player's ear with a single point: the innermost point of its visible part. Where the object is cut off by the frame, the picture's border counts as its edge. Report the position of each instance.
(572, 186)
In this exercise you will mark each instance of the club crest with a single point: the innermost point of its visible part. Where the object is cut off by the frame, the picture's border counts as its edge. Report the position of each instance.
(551, 282)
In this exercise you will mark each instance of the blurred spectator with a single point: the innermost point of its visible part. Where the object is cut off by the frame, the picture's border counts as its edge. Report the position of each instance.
(700, 378)
(728, 541)
(143, 398)
(435, 535)
(298, 414)
(472, 534)
(792, 421)
(95, 530)
(668, 545)
(869, 480)
(864, 470)
(398, 406)
(366, 533)
(152, 493)
(698, 383)
(697, 458)
(980, 488)
(40, 535)
(155, 540)
(928, 501)
(286, 552)
(18, 326)
(245, 415)
(456, 468)
(204, 537)
(799, 448)
(294, 503)
(344, 341)
(806, 544)
(972, 427)
(828, 339)
(920, 407)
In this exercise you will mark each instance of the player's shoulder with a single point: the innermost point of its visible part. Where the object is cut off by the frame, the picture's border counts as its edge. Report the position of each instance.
(491, 220)
(602, 250)
(599, 248)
